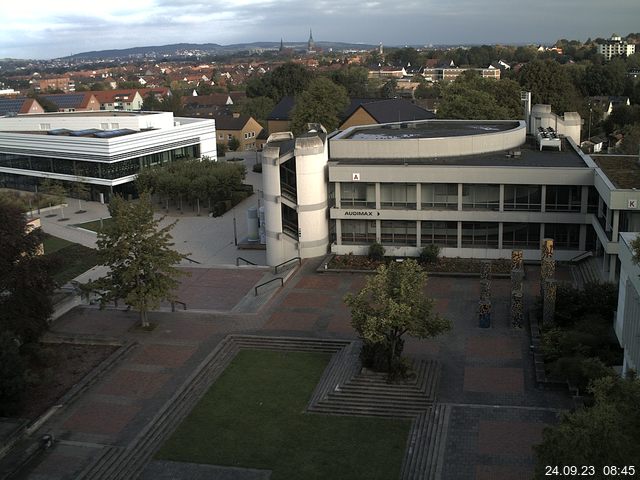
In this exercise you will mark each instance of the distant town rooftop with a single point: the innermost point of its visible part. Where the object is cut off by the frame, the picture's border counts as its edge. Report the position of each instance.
(92, 113)
(622, 170)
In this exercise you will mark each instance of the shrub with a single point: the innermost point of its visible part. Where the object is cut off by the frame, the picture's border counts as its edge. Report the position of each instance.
(580, 371)
(376, 252)
(221, 149)
(429, 254)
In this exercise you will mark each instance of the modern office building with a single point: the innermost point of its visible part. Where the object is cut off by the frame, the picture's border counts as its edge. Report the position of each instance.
(102, 149)
(627, 321)
(475, 188)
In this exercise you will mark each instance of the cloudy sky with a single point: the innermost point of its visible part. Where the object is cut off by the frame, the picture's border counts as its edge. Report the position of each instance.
(49, 29)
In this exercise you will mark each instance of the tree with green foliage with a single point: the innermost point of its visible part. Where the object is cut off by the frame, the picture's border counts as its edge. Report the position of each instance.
(139, 255)
(389, 89)
(393, 303)
(288, 79)
(354, 79)
(80, 190)
(12, 374)
(602, 435)
(233, 144)
(25, 282)
(322, 102)
(151, 103)
(257, 107)
(471, 97)
(550, 83)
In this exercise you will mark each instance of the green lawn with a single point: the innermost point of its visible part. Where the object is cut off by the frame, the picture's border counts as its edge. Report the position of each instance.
(94, 225)
(68, 259)
(253, 417)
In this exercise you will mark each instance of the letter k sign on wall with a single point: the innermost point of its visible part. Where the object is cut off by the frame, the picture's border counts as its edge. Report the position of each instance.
(355, 177)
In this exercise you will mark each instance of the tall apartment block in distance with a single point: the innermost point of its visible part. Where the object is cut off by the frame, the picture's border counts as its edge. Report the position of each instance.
(615, 47)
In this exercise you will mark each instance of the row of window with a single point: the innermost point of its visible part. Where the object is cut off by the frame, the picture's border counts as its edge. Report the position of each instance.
(473, 234)
(444, 196)
(106, 170)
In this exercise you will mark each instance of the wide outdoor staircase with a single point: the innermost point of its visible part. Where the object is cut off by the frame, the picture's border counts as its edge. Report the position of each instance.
(587, 270)
(423, 458)
(369, 393)
(343, 390)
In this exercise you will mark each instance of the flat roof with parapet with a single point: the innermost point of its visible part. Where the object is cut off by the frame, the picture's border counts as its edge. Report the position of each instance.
(93, 113)
(527, 155)
(622, 170)
(427, 129)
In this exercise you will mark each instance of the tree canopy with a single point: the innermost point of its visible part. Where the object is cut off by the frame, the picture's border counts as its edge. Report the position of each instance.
(322, 102)
(471, 97)
(140, 257)
(392, 304)
(25, 283)
(603, 435)
(550, 83)
(287, 80)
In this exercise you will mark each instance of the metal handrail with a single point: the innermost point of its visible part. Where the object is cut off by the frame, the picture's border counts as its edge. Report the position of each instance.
(192, 261)
(275, 269)
(173, 305)
(266, 283)
(249, 262)
(581, 256)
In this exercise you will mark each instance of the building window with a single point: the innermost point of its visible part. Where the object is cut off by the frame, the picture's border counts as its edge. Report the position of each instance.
(480, 197)
(443, 234)
(480, 234)
(229, 136)
(398, 232)
(565, 236)
(288, 180)
(358, 232)
(398, 195)
(521, 235)
(289, 221)
(522, 197)
(439, 196)
(357, 195)
(563, 198)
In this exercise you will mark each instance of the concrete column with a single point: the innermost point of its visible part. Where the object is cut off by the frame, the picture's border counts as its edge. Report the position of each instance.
(459, 234)
(582, 240)
(418, 196)
(584, 199)
(377, 196)
(459, 199)
(378, 231)
(500, 231)
(338, 194)
(418, 235)
(615, 226)
(543, 198)
(541, 233)
(501, 202)
(338, 232)
(612, 268)
(608, 220)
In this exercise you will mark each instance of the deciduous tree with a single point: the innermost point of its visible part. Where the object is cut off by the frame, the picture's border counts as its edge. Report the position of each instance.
(393, 303)
(322, 102)
(139, 254)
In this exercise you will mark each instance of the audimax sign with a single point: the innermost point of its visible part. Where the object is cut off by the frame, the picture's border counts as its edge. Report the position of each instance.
(361, 213)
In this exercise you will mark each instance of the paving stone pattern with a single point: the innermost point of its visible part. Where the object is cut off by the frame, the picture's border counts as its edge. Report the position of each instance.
(487, 414)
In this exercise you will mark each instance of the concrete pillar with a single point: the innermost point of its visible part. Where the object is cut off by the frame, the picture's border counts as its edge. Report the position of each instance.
(584, 199)
(543, 198)
(338, 194)
(612, 268)
(501, 202)
(338, 232)
(459, 198)
(418, 235)
(418, 196)
(459, 234)
(582, 241)
(500, 232)
(377, 196)
(378, 232)
(615, 225)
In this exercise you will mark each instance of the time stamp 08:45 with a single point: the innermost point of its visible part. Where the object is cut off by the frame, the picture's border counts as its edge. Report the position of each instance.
(608, 471)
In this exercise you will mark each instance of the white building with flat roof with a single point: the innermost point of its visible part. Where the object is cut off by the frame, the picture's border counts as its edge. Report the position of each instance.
(103, 149)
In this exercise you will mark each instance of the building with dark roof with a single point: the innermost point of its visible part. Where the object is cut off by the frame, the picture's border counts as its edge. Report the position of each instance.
(243, 128)
(73, 102)
(14, 106)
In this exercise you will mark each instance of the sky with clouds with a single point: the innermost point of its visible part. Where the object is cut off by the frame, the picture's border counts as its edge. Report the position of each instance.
(49, 29)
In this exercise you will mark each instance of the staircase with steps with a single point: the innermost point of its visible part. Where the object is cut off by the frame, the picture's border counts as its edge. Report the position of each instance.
(426, 445)
(587, 271)
(343, 390)
(370, 394)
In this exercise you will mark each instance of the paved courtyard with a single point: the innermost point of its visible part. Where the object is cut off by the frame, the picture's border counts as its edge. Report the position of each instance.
(497, 413)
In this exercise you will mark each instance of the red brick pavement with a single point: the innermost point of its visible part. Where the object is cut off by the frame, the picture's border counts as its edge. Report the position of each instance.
(185, 329)
(494, 347)
(508, 438)
(292, 321)
(493, 380)
(101, 418)
(166, 355)
(320, 282)
(132, 383)
(301, 299)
